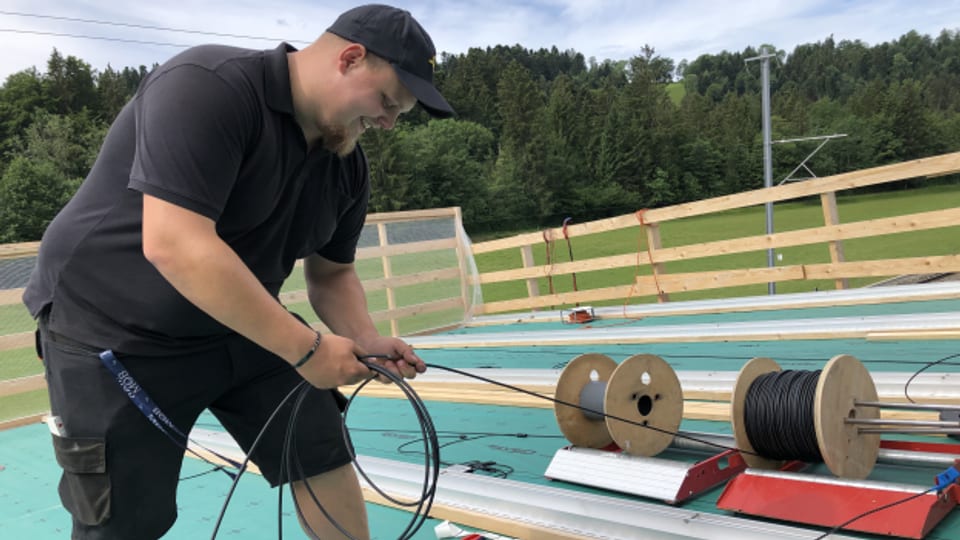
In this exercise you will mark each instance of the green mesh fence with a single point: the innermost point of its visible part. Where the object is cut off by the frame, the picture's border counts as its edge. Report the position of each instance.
(417, 268)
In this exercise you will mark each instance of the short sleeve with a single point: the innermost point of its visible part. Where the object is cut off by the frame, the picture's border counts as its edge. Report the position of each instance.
(342, 247)
(191, 132)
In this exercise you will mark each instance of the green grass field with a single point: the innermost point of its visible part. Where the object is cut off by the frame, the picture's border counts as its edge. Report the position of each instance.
(733, 224)
(740, 223)
(676, 91)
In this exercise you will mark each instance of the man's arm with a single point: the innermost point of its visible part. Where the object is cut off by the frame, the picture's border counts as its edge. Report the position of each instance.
(186, 250)
(337, 296)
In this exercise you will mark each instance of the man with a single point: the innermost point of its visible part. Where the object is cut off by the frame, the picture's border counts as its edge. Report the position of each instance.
(226, 167)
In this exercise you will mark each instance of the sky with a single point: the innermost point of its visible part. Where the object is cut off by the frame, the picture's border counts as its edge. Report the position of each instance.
(143, 32)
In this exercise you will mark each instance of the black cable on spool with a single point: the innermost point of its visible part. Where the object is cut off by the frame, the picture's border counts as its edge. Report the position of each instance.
(778, 416)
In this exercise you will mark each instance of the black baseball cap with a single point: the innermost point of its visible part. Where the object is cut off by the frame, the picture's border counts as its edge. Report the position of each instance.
(394, 35)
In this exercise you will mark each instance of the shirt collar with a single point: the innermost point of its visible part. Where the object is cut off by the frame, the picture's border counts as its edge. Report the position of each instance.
(277, 78)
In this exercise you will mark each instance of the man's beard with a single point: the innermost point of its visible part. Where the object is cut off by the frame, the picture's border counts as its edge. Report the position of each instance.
(336, 140)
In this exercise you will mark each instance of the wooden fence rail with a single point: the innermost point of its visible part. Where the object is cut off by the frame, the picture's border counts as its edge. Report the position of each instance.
(660, 283)
(386, 253)
(831, 235)
(385, 250)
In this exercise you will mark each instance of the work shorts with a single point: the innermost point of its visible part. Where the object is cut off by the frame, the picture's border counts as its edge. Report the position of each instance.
(120, 471)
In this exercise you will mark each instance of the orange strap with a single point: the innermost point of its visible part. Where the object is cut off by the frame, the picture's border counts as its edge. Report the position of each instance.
(566, 236)
(548, 241)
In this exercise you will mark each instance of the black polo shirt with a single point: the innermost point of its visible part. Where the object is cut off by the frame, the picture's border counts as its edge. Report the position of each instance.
(213, 131)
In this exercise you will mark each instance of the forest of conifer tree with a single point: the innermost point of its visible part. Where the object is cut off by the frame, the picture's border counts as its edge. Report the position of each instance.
(546, 134)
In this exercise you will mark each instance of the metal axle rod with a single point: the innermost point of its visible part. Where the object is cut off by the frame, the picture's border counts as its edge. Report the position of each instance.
(912, 430)
(914, 423)
(907, 406)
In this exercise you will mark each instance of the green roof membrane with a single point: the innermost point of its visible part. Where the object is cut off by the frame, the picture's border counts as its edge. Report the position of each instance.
(510, 441)
(901, 356)
(30, 507)
(516, 442)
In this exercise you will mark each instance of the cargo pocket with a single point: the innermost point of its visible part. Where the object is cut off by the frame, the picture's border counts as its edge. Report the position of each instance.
(85, 486)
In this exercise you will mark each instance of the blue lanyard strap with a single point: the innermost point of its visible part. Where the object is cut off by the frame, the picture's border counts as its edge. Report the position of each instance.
(139, 397)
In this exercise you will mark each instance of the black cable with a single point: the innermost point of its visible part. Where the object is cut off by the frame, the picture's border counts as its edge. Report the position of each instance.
(567, 354)
(778, 415)
(587, 409)
(472, 464)
(573, 275)
(204, 473)
(796, 386)
(497, 470)
(906, 387)
(469, 437)
(801, 386)
(246, 459)
(289, 456)
(431, 448)
(442, 433)
(873, 511)
(458, 437)
(290, 445)
(431, 455)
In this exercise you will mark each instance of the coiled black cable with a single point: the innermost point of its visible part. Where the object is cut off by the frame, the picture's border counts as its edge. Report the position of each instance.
(431, 454)
(778, 415)
(432, 463)
(290, 461)
(246, 459)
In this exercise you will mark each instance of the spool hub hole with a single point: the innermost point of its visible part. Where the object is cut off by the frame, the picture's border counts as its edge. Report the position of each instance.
(644, 405)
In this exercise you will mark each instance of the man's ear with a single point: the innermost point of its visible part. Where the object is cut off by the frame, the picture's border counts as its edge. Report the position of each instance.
(351, 56)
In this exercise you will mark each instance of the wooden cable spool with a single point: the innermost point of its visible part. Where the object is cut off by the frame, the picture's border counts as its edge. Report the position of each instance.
(842, 383)
(643, 389)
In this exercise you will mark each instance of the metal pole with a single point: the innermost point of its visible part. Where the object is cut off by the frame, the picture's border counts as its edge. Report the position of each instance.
(764, 58)
(767, 156)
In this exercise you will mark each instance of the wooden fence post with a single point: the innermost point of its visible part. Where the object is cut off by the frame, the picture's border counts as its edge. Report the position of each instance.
(653, 244)
(831, 216)
(533, 285)
(387, 274)
(462, 264)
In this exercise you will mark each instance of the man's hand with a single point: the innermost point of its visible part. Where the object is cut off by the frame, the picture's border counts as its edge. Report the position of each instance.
(336, 361)
(395, 355)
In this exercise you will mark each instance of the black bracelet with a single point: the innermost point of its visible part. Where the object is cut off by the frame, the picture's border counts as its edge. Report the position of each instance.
(309, 355)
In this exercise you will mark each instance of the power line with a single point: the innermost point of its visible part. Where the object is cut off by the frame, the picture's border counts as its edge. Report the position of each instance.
(83, 36)
(133, 25)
